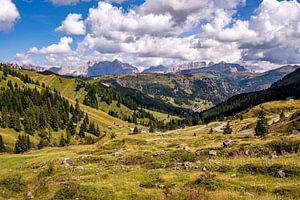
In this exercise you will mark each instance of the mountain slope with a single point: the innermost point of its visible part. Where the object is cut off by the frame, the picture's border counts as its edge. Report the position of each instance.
(292, 78)
(217, 68)
(156, 69)
(289, 86)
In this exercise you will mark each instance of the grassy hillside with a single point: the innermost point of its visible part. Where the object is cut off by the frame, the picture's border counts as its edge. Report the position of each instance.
(171, 165)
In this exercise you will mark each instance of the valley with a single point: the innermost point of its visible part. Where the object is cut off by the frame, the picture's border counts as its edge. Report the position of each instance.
(183, 155)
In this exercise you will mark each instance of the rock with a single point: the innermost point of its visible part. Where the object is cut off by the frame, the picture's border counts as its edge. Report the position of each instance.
(186, 148)
(160, 186)
(30, 195)
(273, 155)
(247, 152)
(187, 165)
(66, 161)
(281, 174)
(295, 132)
(67, 166)
(212, 153)
(204, 169)
(156, 154)
(78, 168)
(227, 143)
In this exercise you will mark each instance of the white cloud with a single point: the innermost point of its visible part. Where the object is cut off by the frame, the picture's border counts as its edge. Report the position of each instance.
(63, 47)
(23, 59)
(67, 2)
(8, 15)
(73, 24)
(149, 34)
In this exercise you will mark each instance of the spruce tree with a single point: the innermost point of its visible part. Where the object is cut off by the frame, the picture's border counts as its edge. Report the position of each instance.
(82, 130)
(282, 116)
(62, 141)
(261, 128)
(227, 129)
(2, 146)
(17, 122)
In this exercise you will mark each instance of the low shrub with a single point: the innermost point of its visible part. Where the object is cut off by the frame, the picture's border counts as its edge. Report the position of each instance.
(14, 183)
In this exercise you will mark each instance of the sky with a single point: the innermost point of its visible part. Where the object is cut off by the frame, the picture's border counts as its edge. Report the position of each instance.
(261, 34)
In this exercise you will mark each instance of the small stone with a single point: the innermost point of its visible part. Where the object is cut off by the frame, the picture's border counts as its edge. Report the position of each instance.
(78, 168)
(66, 161)
(204, 169)
(160, 186)
(273, 155)
(212, 153)
(227, 143)
(29, 195)
(247, 152)
(281, 174)
(295, 132)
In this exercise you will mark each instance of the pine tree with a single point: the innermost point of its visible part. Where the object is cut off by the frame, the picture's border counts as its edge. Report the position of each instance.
(82, 130)
(62, 141)
(23, 144)
(17, 122)
(261, 128)
(4, 119)
(282, 116)
(135, 130)
(2, 146)
(97, 131)
(227, 129)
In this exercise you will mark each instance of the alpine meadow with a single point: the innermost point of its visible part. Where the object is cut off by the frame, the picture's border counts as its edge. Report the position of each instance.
(150, 99)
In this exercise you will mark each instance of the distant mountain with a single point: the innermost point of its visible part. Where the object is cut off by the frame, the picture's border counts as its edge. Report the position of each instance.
(111, 68)
(255, 82)
(55, 70)
(97, 69)
(160, 69)
(221, 67)
(187, 66)
(290, 79)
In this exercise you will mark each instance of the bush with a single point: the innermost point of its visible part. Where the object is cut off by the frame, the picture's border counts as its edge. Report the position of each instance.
(208, 181)
(13, 183)
(269, 170)
(285, 146)
(183, 156)
(291, 192)
(73, 191)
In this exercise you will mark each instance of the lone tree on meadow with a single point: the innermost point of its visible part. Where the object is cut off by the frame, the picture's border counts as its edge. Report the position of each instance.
(261, 128)
(2, 147)
(227, 130)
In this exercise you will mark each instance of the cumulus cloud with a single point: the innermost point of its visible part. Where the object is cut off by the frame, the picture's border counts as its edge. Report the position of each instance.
(67, 2)
(73, 24)
(63, 47)
(8, 15)
(152, 34)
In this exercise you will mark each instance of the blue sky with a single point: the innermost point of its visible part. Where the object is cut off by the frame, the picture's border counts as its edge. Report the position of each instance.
(38, 20)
